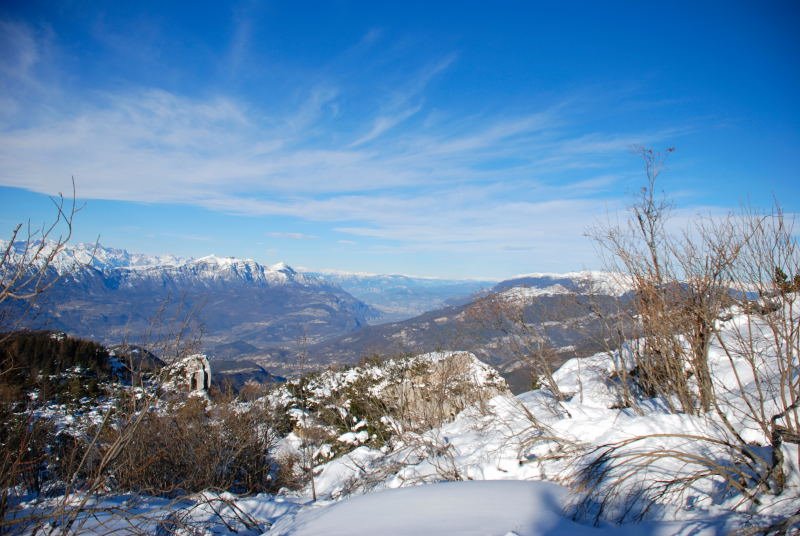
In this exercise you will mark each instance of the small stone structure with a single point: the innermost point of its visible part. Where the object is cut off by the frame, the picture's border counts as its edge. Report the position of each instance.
(198, 372)
(192, 373)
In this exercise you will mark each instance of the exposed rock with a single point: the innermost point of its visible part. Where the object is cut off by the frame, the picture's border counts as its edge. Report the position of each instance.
(192, 374)
(414, 392)
(436, 389)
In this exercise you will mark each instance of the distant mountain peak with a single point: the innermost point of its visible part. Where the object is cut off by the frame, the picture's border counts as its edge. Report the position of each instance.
(283, 267)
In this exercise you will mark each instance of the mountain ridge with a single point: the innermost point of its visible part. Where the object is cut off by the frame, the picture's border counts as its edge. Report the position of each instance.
(262, 313)
(112, 296)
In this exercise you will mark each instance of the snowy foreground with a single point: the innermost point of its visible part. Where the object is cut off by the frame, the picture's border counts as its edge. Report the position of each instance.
(486, 507)
(513, 466)
(490, 507)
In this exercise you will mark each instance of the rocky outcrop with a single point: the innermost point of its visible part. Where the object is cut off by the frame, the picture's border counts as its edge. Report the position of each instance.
(439, 387)
(191, 374)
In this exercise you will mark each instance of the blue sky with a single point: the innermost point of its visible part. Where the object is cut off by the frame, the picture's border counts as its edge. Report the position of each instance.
(453, 139)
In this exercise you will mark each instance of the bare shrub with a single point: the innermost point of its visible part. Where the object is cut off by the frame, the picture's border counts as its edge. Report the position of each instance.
(289, 474)
(188, 449)
(252, 391)
(685, 286)
(23, 455)
(764, 351)
(26, 272)
(680, 286)
(624, 480)
(27, 260)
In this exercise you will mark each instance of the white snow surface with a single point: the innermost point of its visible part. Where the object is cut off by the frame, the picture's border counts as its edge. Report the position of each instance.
(500, 443)
(449, 508)
(472, 508)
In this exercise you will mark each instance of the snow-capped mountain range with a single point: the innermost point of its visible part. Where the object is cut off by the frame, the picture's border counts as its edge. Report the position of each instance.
(395, 295)
(71, 256)
(248, 310)
(114, 296)
(72, 259)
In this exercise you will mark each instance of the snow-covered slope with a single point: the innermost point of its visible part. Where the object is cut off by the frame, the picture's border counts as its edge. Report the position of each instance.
(663, 466)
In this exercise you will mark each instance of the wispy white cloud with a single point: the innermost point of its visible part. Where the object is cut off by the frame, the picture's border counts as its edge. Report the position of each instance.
(385, 122)
(373, 171)
(403, 103)
(291, 236)
(239, 46)
(319, 100)
(152, 145)
(20, 52)
(28, 60)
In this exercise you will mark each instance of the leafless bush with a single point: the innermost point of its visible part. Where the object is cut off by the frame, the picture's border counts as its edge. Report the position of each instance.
(211, 509)
(681, 285)
(23, 454)
(26, 263)
(289, 474)
(137, 447)
(27, 259)
(437, 450)
(763, 351)
(626, 479)
(619, 341)
(685, 286)
(252, 391)
(190, 448)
